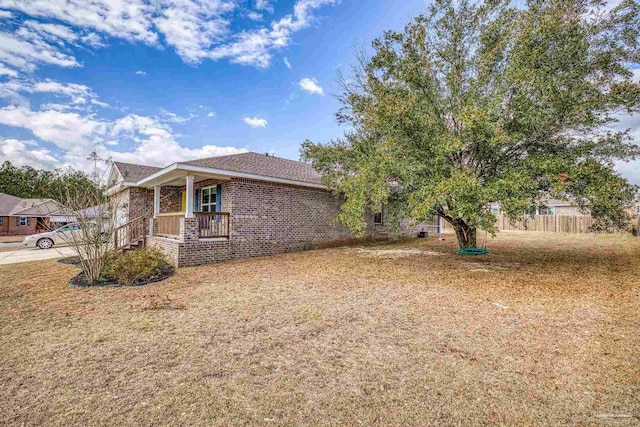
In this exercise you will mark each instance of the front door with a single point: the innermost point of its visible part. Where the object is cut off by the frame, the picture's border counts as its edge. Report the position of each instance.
(183, 204)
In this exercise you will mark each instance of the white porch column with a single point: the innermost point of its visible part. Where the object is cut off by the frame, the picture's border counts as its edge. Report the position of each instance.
(156, 201)
(189, 213)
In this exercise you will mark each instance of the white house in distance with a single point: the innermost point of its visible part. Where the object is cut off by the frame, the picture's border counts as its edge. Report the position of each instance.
(552, 207)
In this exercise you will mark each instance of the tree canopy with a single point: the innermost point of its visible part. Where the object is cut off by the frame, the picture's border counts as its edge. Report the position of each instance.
(27, 182)
(479, 103)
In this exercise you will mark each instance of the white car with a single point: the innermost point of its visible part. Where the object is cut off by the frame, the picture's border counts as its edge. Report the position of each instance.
(62, 236)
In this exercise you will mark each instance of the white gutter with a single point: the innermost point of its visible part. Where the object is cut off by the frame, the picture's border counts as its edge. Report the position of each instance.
(232, 174)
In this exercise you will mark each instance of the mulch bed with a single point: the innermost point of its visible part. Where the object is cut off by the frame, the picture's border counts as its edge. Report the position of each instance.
(80, 281)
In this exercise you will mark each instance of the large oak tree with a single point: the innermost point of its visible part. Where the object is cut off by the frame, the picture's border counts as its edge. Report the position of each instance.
(479, 103)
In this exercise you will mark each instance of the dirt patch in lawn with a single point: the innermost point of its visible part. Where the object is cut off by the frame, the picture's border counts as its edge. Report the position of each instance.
(393, 253)
(335, 337)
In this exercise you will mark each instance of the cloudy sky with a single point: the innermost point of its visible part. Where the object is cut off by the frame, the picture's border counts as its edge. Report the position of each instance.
(160, 81)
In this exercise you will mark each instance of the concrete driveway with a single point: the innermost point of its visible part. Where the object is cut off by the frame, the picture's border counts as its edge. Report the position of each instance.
(35, 254)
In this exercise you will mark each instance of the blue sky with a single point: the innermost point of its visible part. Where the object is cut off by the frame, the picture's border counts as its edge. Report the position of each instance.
(156, 82)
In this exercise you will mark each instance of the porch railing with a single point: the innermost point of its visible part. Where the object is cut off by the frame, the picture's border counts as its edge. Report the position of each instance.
(130, 233)
(168, 224)
(213, 224)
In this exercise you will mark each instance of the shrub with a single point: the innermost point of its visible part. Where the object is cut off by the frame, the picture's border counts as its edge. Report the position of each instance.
(135, 266)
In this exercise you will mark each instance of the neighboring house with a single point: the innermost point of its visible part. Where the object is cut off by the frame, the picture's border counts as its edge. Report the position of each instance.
(552, 207)
(236, 206)
(26, 216)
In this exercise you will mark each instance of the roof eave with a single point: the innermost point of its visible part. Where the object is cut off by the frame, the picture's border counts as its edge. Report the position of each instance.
(147, 181)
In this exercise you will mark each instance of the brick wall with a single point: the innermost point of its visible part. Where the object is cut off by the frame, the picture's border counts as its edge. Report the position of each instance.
(140, 203)
(265, 218)
(269, 218)
(170, 199)
(9, 227)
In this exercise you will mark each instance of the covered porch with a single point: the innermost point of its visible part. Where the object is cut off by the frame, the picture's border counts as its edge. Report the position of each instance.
(188, 205)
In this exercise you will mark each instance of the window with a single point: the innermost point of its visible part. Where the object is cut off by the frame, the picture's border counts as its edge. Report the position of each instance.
(637, 211)
(208, 199)
(548, 211)
(1, 220)
(22, 221)
(378, 217)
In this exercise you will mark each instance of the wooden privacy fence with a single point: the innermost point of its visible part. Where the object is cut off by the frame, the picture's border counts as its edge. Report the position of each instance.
(575, 224)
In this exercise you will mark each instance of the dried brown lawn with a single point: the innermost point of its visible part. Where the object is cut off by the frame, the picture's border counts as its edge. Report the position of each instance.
(543, 331)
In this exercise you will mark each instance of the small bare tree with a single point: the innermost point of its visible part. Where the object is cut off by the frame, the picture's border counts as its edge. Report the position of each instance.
(91, 234)
(92, 219)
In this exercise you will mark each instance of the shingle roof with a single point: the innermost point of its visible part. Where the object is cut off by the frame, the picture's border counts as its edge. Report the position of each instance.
(261, 164)
(12, 205)
(8, 203)
(131, 172)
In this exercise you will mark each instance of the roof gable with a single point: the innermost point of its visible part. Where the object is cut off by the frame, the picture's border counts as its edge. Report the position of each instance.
(8, 203)
(131, 172)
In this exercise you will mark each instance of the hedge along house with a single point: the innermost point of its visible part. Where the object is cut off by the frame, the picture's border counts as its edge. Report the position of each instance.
(230, 207)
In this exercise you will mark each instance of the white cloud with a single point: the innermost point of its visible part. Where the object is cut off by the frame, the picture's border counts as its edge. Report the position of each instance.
(264, 5)
(287, 63)
(254, 47)
(211, 114)
(26, 153)
(141, 73)
(193, 26)
(311, 86)
(126, 19)
(255, 16)
(152, 140)
(196, 29)
(93, 40)
(100, 103)
(5, 71)
(67, 130)
(78, 94)
(5, 14)
(24, 51)
(50, 32)
(255, 122)
(174, 118)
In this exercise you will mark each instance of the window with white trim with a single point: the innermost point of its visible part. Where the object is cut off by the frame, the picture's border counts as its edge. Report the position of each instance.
(22, 221)
(208, 199)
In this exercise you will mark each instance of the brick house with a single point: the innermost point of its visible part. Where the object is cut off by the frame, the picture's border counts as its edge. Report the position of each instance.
(26, 216)
(236, 206)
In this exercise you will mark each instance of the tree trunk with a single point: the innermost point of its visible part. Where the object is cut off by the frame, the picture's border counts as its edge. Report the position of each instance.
(466, 235)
